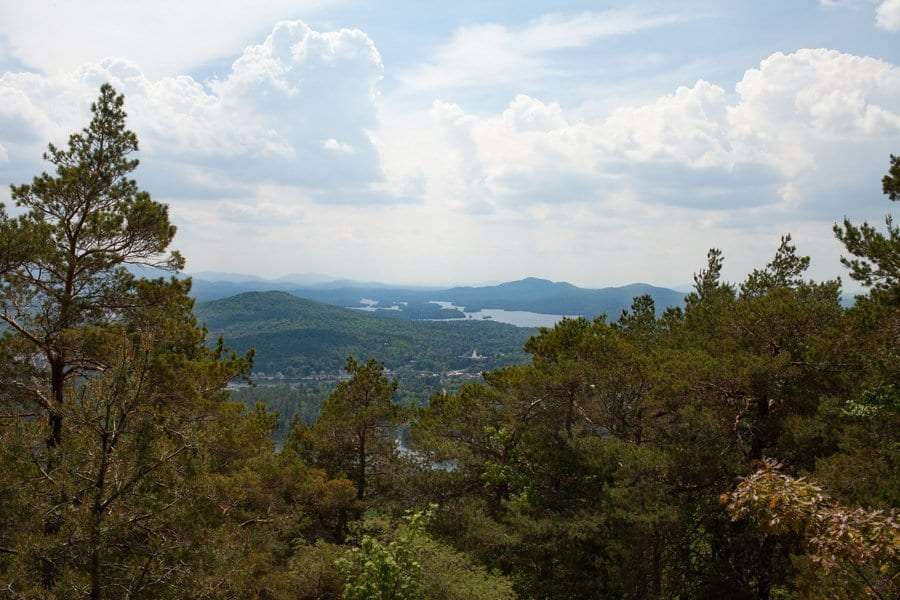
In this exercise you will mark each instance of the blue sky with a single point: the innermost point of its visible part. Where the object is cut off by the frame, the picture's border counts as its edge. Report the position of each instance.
(599, 143)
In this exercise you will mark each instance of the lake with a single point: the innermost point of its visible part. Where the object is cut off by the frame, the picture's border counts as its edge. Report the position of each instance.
(519, 318)
(369, 305)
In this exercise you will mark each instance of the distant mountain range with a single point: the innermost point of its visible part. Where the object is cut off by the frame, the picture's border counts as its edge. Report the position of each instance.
(543, 296)
(531, 294)
(299, 330)
(296, 280)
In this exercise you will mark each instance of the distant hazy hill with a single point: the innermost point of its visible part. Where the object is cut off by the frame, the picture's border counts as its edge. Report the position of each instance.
(212, 285)
(531, 294)
(298, 336)
(220, 276)
(543, 296)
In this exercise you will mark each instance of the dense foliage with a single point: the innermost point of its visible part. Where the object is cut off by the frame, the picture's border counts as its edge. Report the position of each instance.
(298, 337)
(743, 446)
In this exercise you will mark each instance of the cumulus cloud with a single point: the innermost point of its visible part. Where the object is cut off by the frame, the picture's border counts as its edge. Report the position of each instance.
(296, 109)
(887, 16)
(844, 3)
(336, 146)
(300, 111)
(493, 53)
(165, 37)
(786, 127)
(887, 12)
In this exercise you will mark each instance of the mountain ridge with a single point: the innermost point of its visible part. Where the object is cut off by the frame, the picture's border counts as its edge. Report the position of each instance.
(531, 294)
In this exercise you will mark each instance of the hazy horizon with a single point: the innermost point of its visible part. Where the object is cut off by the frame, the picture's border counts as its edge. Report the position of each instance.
(848, 286)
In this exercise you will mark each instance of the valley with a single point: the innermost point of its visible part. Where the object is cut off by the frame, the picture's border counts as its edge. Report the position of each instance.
(531, 294)
(430, 340)
(302, 344)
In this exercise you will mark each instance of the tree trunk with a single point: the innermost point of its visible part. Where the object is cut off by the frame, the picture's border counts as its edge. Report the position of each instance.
(57, 385)
(53, 520)
(764, 587)
(501, 489)
(657, 565)
(570, 414)
(96, 589)
(758, 440)
(97, 511)
(361, 474)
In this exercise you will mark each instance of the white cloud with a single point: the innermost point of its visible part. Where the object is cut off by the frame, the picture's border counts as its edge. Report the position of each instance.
(844, 3)
(787, 127)
(165, 37)
(688, 127)
(638, 193)
(493, 53)
(817, 95)
(340, 147)
(887, 12)
(887, 16)
(265, 122)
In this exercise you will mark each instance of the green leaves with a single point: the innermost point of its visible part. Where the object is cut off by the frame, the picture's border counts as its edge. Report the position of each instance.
(86, 221)
(114, 367)
(355, 432)
(707, 280)
(786, 270)
(875, 256)
(386, 571)
(890, 184)
(63, 262)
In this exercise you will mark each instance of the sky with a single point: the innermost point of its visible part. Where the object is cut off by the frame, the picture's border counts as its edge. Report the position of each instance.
(600, 143)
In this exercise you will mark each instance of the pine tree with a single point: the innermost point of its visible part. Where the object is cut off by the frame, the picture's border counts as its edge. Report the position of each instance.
(875, 261)
(355, 430)
(82, 225)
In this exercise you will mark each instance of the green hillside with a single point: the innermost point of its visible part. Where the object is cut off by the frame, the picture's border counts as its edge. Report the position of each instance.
(297, 337)
(552, 297)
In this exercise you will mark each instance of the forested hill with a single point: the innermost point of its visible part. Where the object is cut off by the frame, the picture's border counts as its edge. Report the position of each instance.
(530, 294)
(296, 336)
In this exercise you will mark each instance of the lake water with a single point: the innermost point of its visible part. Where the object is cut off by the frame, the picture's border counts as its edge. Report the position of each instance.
(519, 318)
(370, 305)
